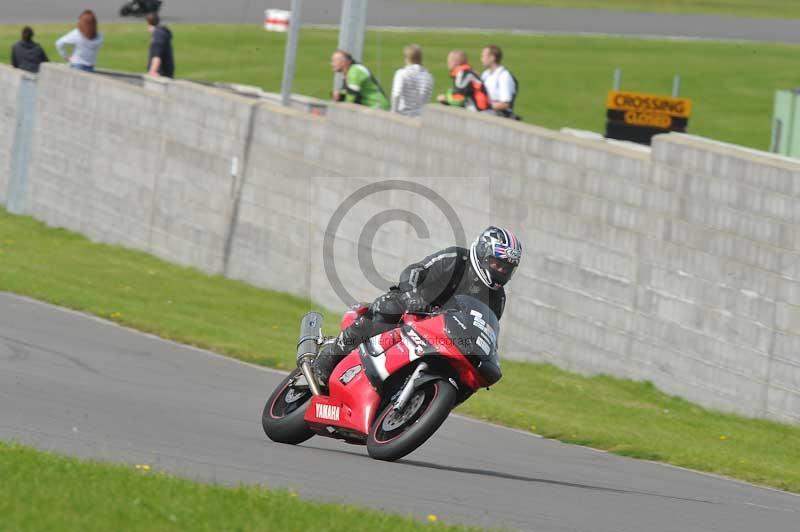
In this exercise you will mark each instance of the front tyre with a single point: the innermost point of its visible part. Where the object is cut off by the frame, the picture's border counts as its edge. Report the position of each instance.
(395, 434)
(283, 414)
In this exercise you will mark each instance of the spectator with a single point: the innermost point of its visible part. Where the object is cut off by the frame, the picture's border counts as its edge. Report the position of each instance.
(468, 90)
(161, 61)
(412, 85)
(26, 54)
(501, 85)
(86, 42)
(358, 84)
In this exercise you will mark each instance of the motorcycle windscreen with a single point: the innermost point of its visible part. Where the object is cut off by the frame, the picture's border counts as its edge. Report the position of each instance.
(473, 328)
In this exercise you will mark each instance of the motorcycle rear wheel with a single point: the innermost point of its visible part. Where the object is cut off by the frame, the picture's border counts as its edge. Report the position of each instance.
(395, 434)
(283, 414)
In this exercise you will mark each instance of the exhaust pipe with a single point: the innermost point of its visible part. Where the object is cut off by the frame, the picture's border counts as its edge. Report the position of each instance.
(308, 347)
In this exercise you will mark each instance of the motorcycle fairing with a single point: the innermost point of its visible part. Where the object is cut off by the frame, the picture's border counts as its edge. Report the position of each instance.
(356, 400)
(390, 352)
(430, 331)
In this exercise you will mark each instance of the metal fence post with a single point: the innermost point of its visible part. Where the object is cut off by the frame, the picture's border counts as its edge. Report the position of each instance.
(291, 52)
(21, 154)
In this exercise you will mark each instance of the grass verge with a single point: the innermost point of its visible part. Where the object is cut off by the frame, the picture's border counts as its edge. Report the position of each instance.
(42, 491)
(736, 8)
(625, 417)
(563, 79)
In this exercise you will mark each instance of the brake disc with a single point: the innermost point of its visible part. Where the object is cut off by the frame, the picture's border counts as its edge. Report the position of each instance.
(396, 419)
(293, 395)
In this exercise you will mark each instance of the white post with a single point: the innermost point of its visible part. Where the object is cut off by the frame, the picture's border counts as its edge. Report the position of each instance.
(676, 85)
(291, 52)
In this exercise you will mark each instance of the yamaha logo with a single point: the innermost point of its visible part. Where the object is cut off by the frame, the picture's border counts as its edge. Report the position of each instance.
(328, 412)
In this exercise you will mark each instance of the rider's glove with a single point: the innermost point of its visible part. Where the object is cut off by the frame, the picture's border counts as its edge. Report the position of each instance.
(413, 301)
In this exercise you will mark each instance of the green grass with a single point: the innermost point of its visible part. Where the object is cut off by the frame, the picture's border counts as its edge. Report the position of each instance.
(563, 79)
(737, 8)
(42, 491)
(625, 417)
(146, 293)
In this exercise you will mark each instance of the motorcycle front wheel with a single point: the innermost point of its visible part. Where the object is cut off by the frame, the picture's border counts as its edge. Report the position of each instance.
(283, 414)
(395, 434)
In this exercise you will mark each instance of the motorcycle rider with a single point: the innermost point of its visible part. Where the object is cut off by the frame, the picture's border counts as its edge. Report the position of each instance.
(480, 271)
(140, 7)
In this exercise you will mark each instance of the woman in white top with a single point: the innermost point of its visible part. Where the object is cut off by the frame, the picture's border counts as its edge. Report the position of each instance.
(85, 40)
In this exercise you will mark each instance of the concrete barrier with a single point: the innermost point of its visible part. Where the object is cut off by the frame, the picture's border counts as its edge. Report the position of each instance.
(156, 170)
(680, 265)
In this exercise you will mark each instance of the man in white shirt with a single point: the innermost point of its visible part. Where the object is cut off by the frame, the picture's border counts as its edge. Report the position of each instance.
(499, 82)
(413, 85)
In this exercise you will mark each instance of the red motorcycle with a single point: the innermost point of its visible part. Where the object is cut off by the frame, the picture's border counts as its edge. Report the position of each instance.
(394, 391)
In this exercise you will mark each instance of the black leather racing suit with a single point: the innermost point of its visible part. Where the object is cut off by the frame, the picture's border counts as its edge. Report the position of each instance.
(423, 286)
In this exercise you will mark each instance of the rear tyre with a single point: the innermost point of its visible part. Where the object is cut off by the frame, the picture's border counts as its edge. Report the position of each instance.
(283, 414)
(395, 434)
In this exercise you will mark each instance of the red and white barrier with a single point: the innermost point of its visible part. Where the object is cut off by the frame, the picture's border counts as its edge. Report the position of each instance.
(276, 20)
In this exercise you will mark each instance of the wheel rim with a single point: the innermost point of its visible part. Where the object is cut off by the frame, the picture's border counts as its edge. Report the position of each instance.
(393, 424)
(288, 400)
(397, 419)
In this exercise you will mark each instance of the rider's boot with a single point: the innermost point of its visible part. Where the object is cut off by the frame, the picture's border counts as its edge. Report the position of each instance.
(325, 362)
(331, 353)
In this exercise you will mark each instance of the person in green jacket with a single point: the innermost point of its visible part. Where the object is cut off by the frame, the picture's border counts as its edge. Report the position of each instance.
(359, 85)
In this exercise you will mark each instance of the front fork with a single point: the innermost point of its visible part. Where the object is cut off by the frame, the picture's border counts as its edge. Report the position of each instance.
(408, 389)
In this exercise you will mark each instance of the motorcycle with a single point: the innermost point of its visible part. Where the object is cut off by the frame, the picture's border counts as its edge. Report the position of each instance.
(139, 8)
(393, 392)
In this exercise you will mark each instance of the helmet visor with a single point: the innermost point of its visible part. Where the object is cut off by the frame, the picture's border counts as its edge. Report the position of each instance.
(500, 270)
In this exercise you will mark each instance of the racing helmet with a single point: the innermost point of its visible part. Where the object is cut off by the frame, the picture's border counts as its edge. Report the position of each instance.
(495, 255)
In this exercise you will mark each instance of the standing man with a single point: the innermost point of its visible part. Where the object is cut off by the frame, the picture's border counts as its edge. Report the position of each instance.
(26, 54)
(161, 61)
(358, 84)
(500, 84)
(413, 85)
(468, 90)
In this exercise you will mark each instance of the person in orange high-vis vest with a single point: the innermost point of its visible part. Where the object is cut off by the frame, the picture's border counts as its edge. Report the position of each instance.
(468, 90)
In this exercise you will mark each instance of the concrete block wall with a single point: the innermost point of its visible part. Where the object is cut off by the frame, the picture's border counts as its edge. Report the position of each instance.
(739, 217)
(205, 135)
(131, 166)
(95, 148)
(680, 265)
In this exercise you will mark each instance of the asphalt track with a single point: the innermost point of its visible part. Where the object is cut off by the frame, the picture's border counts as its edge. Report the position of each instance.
(79, 385)
(410, 13)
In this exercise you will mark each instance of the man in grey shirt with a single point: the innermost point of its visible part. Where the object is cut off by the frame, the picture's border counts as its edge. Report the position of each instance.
(413, 85)
(26, 54)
